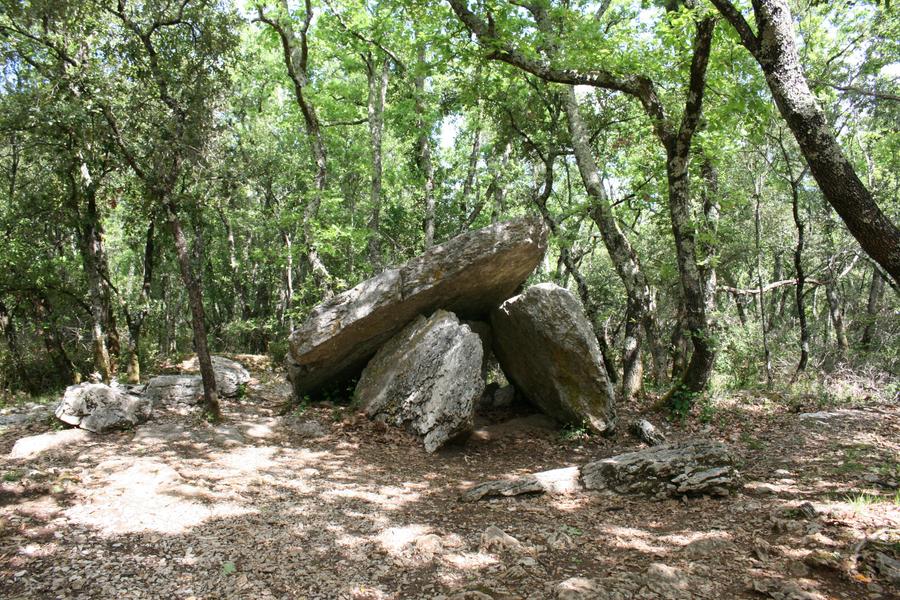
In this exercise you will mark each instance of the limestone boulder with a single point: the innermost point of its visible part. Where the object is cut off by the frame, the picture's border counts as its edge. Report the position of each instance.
(468, 275)
(102, 408)
(689, 469)
(427, 379)
(231, 377)
(548, 350)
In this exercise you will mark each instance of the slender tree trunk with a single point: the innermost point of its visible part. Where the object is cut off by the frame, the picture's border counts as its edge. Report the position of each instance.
(289, 278)
(8, 327)
(378, 86)
(761, 302)
(836, 314)
(801, 278)
(498, 187)
(709, 245)
(876, 291)
(774, 48)
(198, 317)
(423, 125)
(136, 322)
(471, 173)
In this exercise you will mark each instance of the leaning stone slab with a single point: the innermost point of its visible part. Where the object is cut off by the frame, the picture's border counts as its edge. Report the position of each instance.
(547, 348)
(468, 275)
(667, 470)
(101, 408)
(427, 378)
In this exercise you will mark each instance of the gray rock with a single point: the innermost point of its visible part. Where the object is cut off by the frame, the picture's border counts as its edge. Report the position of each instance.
(304, 428)
(188, 389)
(102, 408)
(667, 470)
(34, 445)
(469, 275)
(556, 481)
(495, 538)
(427, 378)
(645, 431)
(548, 349)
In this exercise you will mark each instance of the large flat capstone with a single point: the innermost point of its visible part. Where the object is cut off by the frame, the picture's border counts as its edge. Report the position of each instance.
(468, 275)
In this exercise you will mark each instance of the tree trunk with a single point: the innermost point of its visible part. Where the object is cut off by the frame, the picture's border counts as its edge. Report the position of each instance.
(876, 291)
(642, 306)
(423, 125)
(53, 342)
(136, 322)
(761, 301)
(378, 86)
(801, 278)
(776, 52)
(836, 314)
(198, 317)
(471, 173)
(8, 327)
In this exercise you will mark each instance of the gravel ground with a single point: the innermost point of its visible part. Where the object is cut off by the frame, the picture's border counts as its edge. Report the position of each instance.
(326, 504)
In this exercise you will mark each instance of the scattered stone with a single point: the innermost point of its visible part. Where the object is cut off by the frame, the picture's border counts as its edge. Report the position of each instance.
(784, 590)
(822, 559)
(548, 349)
(557, 481)
(495, 538)
(33, 445)
(468, 275)
(429, 545)
(304, 428)
(559, 540)
(888, 568)
(645, 431)
(668, 470)
(470, 595)
(427, 379)
(667, 581)
(807, 511)
(706, 547)
(101, 408)
(577, 588)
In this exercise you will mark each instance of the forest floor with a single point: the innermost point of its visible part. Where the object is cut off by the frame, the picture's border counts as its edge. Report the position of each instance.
(326, 504)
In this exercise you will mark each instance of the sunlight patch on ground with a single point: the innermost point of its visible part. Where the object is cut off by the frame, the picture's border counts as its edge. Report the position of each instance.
(141, 494)
(395, 539)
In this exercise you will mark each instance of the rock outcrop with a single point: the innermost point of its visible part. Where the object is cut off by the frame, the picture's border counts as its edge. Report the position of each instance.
(101, 408)
(427, 378)
(548, 349)
(188, 389)
(666, 470)
(468, 275)
(688, 469)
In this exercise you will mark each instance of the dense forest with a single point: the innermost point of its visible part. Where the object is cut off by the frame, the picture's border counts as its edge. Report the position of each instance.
(721, 184)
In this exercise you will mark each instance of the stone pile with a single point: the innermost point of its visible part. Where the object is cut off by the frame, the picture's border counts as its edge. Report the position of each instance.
(419, 337)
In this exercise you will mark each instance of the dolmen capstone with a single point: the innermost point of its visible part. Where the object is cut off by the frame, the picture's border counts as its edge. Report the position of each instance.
(418, 336)
(468, 275)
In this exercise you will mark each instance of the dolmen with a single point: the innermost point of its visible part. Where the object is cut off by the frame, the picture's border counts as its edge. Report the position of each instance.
(415, 336)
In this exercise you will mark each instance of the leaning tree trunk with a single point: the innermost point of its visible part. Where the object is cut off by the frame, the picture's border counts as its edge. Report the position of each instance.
(642, 308)
(378, 85)
(775, 50)
(198, 317)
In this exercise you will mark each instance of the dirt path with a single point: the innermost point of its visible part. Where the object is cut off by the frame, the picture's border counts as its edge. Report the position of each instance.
(262, 507)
